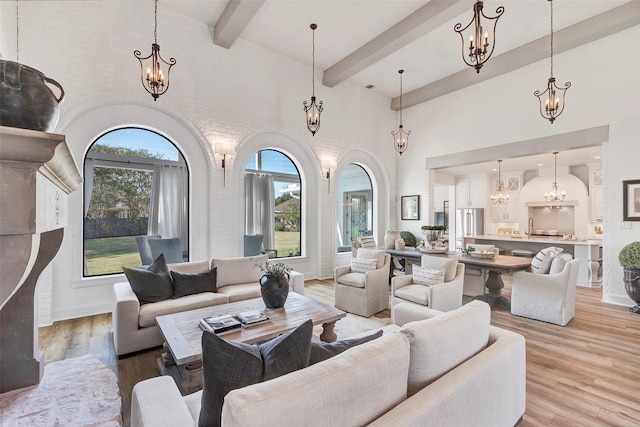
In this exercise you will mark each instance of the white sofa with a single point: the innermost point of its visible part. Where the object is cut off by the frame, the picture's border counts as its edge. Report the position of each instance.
(450, 369)
(134, 324)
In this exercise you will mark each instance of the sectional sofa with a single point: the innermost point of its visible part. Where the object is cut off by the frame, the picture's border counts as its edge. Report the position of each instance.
(134, 324)
(439, 369)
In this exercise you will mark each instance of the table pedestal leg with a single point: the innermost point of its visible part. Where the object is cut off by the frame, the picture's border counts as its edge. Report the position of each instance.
(328, 335)
(494, 285)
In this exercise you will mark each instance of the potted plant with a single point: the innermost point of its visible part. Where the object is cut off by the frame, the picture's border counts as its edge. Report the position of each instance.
(274, 283)
(433, 233)
(629, 258)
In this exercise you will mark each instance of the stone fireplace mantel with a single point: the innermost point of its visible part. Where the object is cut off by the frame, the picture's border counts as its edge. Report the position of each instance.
(37, 174)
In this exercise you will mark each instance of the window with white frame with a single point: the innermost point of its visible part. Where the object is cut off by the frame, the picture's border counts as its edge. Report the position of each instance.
(355, 206)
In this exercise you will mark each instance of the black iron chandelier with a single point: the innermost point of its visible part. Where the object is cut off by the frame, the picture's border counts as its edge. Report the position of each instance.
(553, 104)
(480, 46)
(313, 110)
(500, 197)
(400, 136)
(153, 79)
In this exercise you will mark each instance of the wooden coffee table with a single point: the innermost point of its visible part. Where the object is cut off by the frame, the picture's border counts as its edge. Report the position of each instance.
(182, 358)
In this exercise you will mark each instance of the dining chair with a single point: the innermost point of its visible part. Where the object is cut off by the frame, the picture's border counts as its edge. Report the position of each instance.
(144, 250)
(171, 248)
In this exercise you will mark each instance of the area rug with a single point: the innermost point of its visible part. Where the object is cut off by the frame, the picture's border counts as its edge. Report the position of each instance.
(354, 325)
(80, 391)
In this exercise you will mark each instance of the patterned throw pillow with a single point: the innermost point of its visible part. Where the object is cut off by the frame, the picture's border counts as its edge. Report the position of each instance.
(541, 263)
(367, 242)
(427, 276)
(360, 265)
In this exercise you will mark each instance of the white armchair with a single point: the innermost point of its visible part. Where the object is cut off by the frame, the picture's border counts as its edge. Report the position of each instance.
(474, 277)
(363, 293)
(445, 296)
(546, 297)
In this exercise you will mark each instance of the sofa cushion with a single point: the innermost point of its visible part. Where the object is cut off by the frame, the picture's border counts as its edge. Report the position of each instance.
(438, 263)
(190, 267)
(232, 271)
(324, 350)
(241, 291)
(352, 279)
(427, 276)
(230, 365)
(558, 263)
(414, 293)
(362, 265)
(193, 283)
(441, 343)
(149, 312)
(364, 382)
(541, 263)
(364, 253)
(151, 284)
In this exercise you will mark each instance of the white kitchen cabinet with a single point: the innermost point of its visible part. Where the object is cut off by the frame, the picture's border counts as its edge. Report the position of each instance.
(470, 192)
(508, 212)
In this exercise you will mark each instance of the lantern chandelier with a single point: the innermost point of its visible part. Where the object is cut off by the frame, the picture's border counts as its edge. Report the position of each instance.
(155, 79)
(554, 103)
(555, 197)
(313, 110)
(500, 197)
(401, 137)
(479, 41)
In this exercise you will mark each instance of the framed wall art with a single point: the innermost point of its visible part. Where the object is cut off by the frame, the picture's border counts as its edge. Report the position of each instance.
(631, 200)
(410, 207)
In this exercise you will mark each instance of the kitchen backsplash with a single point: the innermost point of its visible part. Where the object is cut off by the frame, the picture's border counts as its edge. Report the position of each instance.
(561, 219)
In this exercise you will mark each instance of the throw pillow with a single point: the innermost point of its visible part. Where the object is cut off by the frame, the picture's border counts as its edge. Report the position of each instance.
(438, 263)
(228, 365)
(193, 283)
(359, 265)
(366, 253)
(558, 263)
(152, 284)
(541, 263)
(427, 276)
(367, 242)
(322, 351)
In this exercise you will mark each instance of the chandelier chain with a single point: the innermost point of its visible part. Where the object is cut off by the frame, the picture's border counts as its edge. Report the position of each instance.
(17, 31)
(551, 37)
(400, 99)
(313, 62)
(155, 25)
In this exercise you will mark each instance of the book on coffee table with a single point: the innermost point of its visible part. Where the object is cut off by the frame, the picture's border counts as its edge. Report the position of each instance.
(219, 324)
(251, 318)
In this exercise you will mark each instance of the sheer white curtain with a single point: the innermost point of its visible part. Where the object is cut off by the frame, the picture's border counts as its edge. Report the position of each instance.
(168, 209)
(259, 212)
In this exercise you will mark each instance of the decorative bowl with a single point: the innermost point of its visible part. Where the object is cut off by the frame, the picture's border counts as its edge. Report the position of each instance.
(483, 254)
(427, 250)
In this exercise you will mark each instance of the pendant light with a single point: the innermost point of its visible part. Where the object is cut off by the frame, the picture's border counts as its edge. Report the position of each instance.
(153, 79)
(553, 105)
(479, 41)
(400, 136)
(555, 197)
(313, 110)
(500, 197)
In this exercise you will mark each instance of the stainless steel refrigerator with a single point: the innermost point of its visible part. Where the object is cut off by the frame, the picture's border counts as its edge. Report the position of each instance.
(469, 222)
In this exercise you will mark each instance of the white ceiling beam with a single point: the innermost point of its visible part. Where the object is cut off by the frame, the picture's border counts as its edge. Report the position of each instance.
(426, 19)
(234, 19)
(599, 26)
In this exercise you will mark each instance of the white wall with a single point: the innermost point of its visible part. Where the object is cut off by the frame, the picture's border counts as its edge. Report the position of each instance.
(503, 110)
(245, 96)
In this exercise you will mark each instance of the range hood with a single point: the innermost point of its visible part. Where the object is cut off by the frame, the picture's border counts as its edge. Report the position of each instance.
(543, 204)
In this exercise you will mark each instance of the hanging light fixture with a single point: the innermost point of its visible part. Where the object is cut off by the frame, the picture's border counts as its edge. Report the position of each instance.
(479, 43)
(153, 79)
(401, 137)
(555, 197)
(313, 110)
(553, 103)
(500, 197)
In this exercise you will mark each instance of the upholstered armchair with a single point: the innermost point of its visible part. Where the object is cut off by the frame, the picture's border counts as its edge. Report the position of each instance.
(546, 297)
(475, 277)
(362, 287)
(437, 283)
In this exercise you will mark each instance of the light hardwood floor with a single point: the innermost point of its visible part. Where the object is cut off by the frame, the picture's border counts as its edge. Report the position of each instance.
(584, 374)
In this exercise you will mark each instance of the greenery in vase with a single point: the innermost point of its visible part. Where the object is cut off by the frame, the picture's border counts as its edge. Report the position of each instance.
(409, 238)
(468, 250)
(433, 227)
(629, 256)
(277, 269)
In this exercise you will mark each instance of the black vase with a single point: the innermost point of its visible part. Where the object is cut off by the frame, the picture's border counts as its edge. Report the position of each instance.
(274, 290)
(632, 286)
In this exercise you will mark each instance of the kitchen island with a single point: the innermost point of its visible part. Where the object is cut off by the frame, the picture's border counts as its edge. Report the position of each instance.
(589, 252)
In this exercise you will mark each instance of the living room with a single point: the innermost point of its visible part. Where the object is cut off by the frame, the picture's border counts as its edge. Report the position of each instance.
(251, 97)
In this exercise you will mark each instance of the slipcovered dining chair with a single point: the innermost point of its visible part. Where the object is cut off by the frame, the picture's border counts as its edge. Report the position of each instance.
(547, 297)
(144, 250)
(253, 246)
(362, 287)
(476, 277)
(171, 248)
(437, 283)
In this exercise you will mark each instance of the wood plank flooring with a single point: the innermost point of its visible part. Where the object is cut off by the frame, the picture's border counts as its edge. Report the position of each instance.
(584, 374)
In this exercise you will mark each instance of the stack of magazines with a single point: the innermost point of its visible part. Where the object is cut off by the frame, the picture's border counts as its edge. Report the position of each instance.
(220, 324)
(251, 318)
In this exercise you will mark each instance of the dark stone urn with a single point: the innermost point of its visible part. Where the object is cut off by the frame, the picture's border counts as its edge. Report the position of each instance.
(274, 290)
(26, 100)
(632, 286)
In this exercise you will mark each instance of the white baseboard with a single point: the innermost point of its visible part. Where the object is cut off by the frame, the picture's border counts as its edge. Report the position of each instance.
(83, 311)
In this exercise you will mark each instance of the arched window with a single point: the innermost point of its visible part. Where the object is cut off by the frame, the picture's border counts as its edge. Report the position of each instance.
(135, 184)
(355, 206)
(272, 194)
